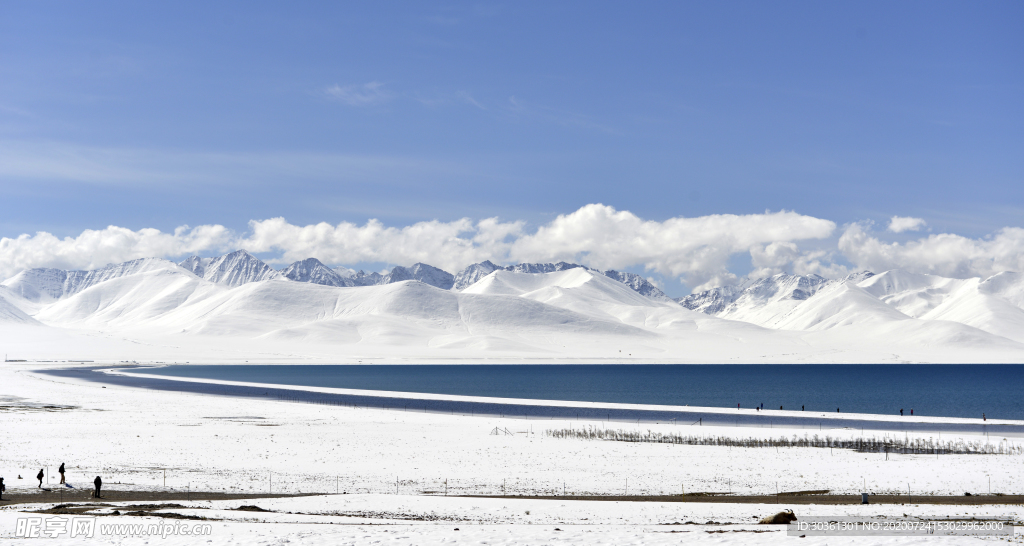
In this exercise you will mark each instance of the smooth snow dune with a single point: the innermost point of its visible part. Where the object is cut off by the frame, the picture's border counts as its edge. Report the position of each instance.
(589, 293)
(839, 304)
(913, 341)
(130, 301)
(969, 305)
(488, 314)
(990, 305)
(148, 309)
(913, 294)
(11, 312)
(512, 283)
(407, 312)
(1007, 285)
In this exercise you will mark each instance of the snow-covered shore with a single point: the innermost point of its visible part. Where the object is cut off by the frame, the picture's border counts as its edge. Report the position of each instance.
(395, 462)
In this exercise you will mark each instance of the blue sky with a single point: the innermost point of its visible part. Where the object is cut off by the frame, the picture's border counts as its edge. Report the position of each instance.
(158, 115)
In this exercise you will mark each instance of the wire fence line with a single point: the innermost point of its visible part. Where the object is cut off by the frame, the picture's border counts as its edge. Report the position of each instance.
(636, 482)
(912, 446)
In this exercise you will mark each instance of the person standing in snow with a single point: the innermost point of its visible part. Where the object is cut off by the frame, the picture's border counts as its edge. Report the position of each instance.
(61, 470)
(39, 477)
(2, 488)
(98, 483)
(901, 412)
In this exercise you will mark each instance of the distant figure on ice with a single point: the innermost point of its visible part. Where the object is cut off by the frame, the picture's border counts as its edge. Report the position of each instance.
(737, 406)
(983, 418)
(2, 488)
(61, 470)
(837, 410)
(780, 407)
(39, 477)
(901, 412)
(801, 408)
(98, 483)
(911, 411)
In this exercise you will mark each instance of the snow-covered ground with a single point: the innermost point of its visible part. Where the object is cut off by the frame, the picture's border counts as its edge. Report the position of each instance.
(393, 467)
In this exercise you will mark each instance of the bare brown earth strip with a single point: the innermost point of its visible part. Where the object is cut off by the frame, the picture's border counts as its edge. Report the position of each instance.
(800, 497)
(83, 495)
(786, 499)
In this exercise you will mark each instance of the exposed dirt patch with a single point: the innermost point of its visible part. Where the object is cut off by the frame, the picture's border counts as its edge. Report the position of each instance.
(85, 496)
(166, 515)
(27, 408)
(796, 498)
(251, 508)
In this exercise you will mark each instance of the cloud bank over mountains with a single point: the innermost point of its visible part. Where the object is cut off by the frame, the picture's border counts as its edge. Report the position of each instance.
(698, 251)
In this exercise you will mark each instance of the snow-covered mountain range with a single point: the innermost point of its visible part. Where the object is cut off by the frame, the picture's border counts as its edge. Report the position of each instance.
(557, 311)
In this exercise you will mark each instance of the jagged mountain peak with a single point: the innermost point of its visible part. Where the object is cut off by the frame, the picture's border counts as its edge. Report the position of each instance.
(314, 271)
(473, 273)
(641, 285)
(711, 301)
(232, 269)
(421, 272)
(727, 300)
(543, 268)
(784, 285)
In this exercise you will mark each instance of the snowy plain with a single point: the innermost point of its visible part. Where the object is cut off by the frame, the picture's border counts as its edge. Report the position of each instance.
(390, 468)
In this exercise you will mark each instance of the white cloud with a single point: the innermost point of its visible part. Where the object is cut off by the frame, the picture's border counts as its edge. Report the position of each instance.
(899, 224)
(448, 245)
(468, 99)
(696, 250)
(96, 248)
(943, 254)
(359, 95)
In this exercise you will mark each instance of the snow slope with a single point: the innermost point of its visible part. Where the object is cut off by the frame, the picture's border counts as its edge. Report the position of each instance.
(154, 307)
(639, 284)
(46, 285)
(993, 305)
(475, 272)
(811, 303)
(10, 310)
(767, 301)
(588, 292)
(408, 313)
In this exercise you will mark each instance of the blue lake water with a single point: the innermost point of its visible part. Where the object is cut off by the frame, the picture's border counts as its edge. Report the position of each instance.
(933, 390)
